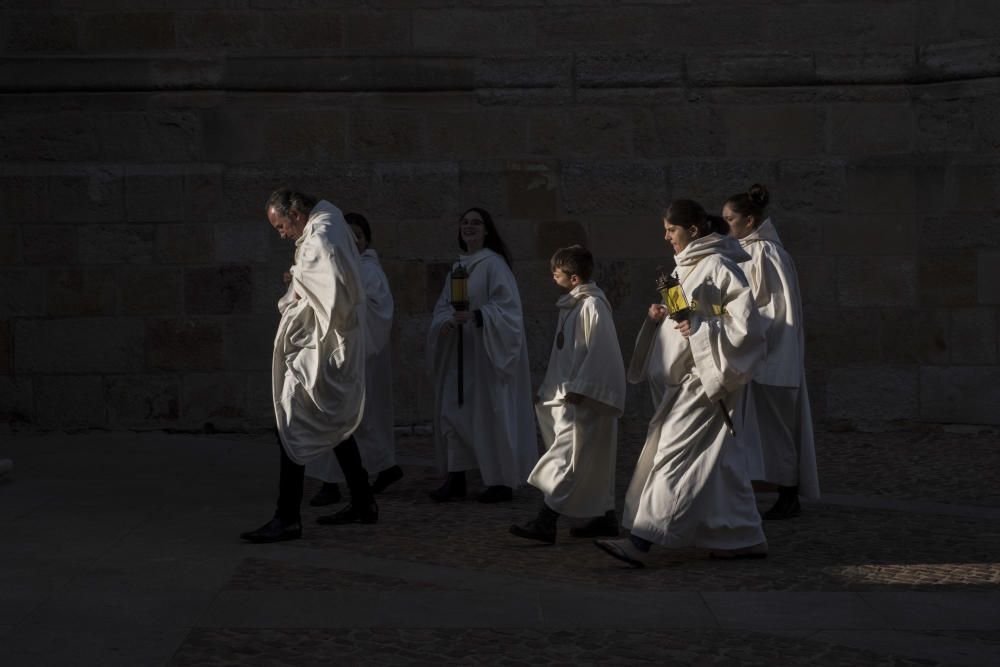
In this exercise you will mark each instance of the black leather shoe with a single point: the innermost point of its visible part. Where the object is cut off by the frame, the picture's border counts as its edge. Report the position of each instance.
(496, 494)
(599, 526)
(535, 530)
(387, 477)
(453, 487)
(327, 495)
(366, 513)
(274, 530)
(785, 508)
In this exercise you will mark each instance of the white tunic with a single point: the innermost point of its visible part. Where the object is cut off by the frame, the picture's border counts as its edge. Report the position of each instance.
(374, 436)
(691, 485)
(318, 365)
(494, 430)
(577, 471)
(777, 418)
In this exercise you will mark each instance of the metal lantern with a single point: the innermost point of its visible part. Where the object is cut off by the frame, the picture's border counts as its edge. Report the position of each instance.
(672, 294)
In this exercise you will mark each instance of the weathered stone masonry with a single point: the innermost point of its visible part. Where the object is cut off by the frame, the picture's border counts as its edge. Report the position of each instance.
(139, 138)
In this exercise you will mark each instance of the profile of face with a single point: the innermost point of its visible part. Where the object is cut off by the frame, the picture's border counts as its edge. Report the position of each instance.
(359, 238)
(472, 229)
(739, 225)
(565, 280)
(678, 237)
(288, 226)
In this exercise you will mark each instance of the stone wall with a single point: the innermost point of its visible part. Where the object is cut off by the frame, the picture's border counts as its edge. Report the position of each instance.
(139, 139)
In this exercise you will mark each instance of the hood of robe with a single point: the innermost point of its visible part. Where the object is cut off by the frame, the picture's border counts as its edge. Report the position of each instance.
(470, 261)
(582, 291)
(766, 232)
(369, 254)
(713, 244)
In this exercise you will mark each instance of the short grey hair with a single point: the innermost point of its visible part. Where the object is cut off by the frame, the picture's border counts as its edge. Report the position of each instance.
(286, 200)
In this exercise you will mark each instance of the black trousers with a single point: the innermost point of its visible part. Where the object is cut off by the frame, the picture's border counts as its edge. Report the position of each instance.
(292, 478)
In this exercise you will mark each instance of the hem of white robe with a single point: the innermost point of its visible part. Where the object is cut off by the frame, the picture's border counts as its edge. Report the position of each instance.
(808, 485)
(753, 537)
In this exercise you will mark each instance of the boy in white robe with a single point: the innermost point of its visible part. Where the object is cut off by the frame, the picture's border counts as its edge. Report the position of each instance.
(318, 364)
(578, 406)
(691, 485)
(777, 419)
(374, 435)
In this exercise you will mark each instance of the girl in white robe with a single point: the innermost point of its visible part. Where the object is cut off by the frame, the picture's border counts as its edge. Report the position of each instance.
(777, 418)
(374, 435)
(691, 485)
(493, 429)
(578, 406)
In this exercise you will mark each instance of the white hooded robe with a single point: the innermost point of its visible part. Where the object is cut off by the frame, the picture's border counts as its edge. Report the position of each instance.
(577, 471)
(494, 430)
(691, 485)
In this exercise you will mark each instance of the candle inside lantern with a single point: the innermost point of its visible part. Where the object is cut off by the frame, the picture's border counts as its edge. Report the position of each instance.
(460, 288)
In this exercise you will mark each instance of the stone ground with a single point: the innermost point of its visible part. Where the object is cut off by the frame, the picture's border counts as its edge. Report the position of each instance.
(122, 549)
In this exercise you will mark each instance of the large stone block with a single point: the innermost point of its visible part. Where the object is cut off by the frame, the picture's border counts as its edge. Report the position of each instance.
(875, 64)
(384, 134)
(93, 194)
(987, 122)
(684, 130)
(960, 232)
(237, 242)
(22, 292)
(711, 182)
(154, 196)
(260, 402)
(255, 135)
(17, 403)
(24, 196)
(554, 234)
(840, 25)
(534, 284)
(269, 286)
(840, 336)
(817, 280)
(8, 244)
(880, 393)
(915, 336)
(154, 135)
(128, 31)
(485, 184)
(151, 290)
(203, 195)
(987, 277)
(641, 241)
(116, 244)
(943, 124)
(877, 281)
(974, 336)
(58, 136)
(875, 189)
(378, 31)
(775, 130)
(628, 27)
(864, 129)
(142, 400)
(254, 30)
(549, 71)
(422, 190)
(54, 245)
(532, 189)
(218, 290)
(5, 348)
(81, 292)
(962, 59)
(578, 132)
(614, 189)
(750, 69)
(975, 187)
(184, 244)
(948, 279)
(963, 394)
(250, 342)
(184, 344)
(79, 345)
(860, 233)
(476, 135)
(623, 69)
(70, 400)
(218, 399)
(40, 32)
(801, 233)
(476, 31)
(407, 282)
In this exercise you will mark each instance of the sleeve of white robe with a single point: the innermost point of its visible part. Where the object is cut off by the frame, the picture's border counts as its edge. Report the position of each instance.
(601, 376)
(380, 305)
(727, 348)
(502, 318)
(328, 284)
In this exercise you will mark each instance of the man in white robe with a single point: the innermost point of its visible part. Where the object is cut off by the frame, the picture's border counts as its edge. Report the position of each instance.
(375, 435)
(493, 429)
(318, 365)
(691, 485)
(578, 406)
(777, 419)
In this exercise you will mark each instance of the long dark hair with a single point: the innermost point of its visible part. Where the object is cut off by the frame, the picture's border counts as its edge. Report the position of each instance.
(492, 240)
(688, 213)
(752, 202)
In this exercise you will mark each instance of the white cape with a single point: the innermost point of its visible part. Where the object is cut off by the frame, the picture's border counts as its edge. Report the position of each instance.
(691, 485)
(374, 435)
(777, 416)
(318, 365)
(494, 430)
(577, 471)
